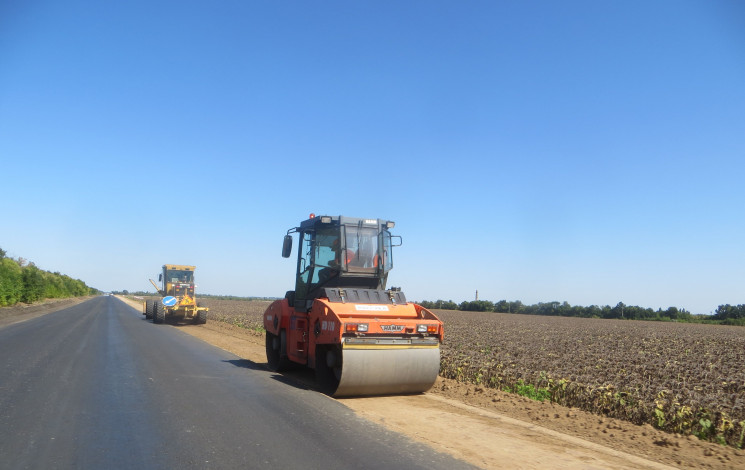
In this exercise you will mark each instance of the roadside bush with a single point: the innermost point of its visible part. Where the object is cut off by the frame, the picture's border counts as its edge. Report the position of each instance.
(27, 283)
(33, 284)
(11, 282)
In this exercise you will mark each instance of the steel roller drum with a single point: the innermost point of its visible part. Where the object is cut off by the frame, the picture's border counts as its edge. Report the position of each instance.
(383, 371)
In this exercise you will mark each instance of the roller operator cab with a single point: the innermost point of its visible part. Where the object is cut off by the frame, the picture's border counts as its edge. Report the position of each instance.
(178, 298)
(340, 320)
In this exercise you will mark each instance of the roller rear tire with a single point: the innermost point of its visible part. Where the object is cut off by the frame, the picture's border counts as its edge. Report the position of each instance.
(328, 368)
(276, 359)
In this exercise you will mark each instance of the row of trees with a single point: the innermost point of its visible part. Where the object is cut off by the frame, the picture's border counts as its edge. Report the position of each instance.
(730, 312)
(21, 281)
(563, 309)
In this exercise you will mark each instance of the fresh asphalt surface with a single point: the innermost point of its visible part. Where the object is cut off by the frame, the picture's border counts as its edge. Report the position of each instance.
(97, 386)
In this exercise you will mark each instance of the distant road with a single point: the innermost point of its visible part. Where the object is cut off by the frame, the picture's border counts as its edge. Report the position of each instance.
(96, 386)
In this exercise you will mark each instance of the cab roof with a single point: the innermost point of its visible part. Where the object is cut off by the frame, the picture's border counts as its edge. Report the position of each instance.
(179, 267)
(314, 221)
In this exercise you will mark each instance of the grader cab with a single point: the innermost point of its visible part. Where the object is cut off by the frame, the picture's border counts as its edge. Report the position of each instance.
(178, 302)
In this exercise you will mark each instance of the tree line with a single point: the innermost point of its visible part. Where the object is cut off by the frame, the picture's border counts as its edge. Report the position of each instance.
(726, 314)
(730, 314)
(21, 281)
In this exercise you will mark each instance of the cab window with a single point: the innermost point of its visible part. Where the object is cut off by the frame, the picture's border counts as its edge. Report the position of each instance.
(362, 248)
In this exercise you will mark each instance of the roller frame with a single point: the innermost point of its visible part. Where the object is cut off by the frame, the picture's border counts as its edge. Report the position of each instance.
(373, 363)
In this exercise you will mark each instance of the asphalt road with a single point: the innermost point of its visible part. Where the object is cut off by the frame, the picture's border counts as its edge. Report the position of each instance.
(97, 386)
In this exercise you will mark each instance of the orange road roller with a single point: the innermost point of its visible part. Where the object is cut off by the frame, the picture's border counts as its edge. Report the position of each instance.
(358, 336)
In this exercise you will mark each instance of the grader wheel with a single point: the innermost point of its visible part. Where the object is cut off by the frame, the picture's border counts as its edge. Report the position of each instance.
(159, 313)
(149, 304)
(200, 316)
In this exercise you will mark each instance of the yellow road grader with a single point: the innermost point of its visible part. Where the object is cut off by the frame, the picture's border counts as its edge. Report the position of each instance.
(178, 300)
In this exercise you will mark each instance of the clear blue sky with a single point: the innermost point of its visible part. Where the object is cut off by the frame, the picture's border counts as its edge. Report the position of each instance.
(581, 151)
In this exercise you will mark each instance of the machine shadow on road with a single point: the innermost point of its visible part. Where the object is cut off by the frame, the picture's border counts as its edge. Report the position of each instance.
(246, 364)
(297, 380)
(301, 378)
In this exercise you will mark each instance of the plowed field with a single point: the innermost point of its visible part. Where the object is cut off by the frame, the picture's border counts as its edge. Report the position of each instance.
(679, 377)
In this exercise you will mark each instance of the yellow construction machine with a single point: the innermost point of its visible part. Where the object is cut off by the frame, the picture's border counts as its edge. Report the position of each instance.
(178, 300)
